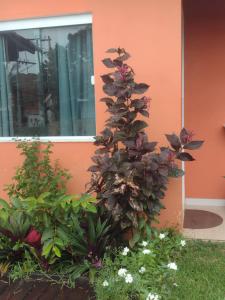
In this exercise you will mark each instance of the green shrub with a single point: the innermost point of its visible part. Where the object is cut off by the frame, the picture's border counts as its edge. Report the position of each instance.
(46, 223)
(37, 173)
(43, 222)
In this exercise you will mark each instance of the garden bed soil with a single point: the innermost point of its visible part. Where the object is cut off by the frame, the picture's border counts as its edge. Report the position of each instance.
(39, 289)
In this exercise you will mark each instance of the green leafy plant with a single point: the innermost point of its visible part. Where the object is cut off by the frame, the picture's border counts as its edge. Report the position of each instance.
(90, 239)
(7, 254)
(52, 215)
(23, 269)
(129, 175)
(60, 237)
(37, 173)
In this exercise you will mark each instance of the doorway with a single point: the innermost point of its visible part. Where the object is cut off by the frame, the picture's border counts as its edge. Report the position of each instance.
(204, 113)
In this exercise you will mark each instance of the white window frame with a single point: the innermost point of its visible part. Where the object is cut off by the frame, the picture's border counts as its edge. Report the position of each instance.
(48, 22)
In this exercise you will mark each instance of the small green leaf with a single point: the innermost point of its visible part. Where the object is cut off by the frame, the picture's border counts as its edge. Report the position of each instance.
(4, 204)
(135, 239)
(47, 248)
(47, 234)
(91, 208)
(57, 251)
(59, 242)
(148, 231)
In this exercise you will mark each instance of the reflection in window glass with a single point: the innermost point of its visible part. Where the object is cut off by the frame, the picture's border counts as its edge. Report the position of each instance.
(45, 82)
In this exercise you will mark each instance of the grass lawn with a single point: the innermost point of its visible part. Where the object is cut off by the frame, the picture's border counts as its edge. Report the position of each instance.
(201, 273)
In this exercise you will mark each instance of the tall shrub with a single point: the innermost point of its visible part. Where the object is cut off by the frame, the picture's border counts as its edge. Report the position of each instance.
(130, 175)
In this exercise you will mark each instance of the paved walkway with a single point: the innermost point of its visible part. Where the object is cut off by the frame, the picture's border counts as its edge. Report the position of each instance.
(216, 232)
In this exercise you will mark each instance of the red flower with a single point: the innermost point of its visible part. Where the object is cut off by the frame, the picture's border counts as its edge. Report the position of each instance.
(33, 238)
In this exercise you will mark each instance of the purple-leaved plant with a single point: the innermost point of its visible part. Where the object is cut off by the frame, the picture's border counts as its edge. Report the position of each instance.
(130, 175)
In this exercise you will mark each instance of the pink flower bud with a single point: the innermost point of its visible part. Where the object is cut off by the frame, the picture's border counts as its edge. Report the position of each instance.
(123, 70)
(188, 137)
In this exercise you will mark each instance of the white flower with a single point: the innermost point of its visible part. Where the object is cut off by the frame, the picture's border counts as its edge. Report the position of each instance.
(129, 278)
(175, 284)
(162, 236)
(142, 270)
(144, 243)
(105, 283)
(146, 251)
(183, 243)
(152, 296)
(122, 272)
(125, 251)
(172, 266)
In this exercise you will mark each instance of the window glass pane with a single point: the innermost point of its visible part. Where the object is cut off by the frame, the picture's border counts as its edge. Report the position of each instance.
(45, 82)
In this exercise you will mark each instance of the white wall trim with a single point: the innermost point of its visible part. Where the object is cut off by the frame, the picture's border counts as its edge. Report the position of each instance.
(46, 22)
(204, 202)
(49, 139)
(182, 101)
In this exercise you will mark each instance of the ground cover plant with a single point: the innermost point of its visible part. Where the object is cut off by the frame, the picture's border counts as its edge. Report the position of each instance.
(146, 272)
(196, 271)
(130, 175)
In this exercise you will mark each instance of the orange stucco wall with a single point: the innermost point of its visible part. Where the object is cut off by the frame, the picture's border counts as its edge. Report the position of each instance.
(204, 24)
(151, 31)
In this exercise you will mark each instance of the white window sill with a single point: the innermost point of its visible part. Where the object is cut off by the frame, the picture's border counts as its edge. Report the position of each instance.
(45, 22)
(49, 139)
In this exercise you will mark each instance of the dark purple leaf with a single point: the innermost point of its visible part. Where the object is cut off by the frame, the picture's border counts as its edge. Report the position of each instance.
(123, 57)
(174, 141)
(93, 169)
(149, 146)
(117, 63)
(131, 115)
(184, 156)
(107, 133)
(144, 113)
(112, 50)
(140, 88)
(108, 63)
(109, 89)
(107, 79)
(129, 144)
(108, 101)
(193, 145)
(138, 125)
(119, 136)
